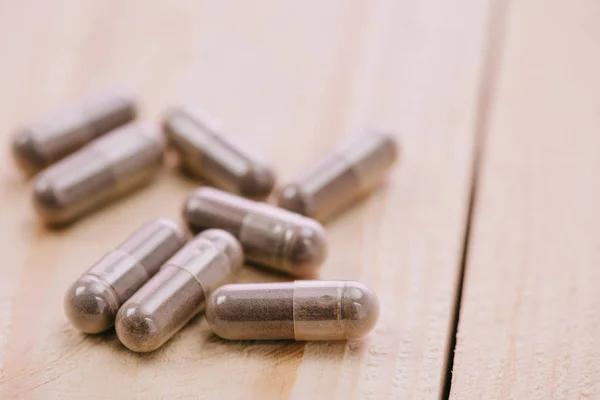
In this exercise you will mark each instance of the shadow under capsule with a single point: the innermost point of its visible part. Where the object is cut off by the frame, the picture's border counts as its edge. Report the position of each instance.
(261, 349)
(284, 349)
(160, 353)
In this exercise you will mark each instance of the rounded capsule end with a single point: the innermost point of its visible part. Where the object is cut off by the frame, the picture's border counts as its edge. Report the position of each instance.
(293, 199)
(216, 324)
(126, 94)
(153, 133)
(25, 152)
(307, 250)
(258, 183)
(193, 209)
(209, 208)
(47, 202)
(137, 330)
(169, 118)
(390, 144)
(360, 308)
(173, 226)
(230, 245)
(90, 305)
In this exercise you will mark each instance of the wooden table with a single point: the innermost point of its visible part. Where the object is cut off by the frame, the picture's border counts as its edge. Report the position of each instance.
(484, 245)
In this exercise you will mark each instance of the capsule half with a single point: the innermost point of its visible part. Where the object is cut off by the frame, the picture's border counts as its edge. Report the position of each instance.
(93, 300)
(270, 236)
(350, 171)
(59, 134)
(104, 170)
(300, 310)
(178, 291)
(208, 153)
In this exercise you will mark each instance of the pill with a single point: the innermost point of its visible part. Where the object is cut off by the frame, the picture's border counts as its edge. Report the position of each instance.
(270, 236)
(105, 169)
(207, 152)
(300, 310)
(57, 135)
(92, 301)
(350, 171)
(178, 291)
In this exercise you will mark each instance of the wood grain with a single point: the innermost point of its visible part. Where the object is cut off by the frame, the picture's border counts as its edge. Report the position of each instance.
(530, 324)
(291, 78)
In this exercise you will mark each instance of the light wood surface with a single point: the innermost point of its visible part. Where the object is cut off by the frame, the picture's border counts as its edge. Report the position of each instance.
(529, 320)
(291, 79)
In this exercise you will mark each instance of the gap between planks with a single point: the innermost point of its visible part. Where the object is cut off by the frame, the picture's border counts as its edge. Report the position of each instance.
(492, 58)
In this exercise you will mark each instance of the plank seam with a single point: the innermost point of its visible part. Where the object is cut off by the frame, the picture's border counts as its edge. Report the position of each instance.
(492, 58)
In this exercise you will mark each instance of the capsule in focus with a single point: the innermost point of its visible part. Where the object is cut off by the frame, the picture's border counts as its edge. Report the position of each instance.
(270, 236)
(300, 310)
(105, 169)
(93, 300)
(59, 134)
(178, 291)
(350, 171)
(208, 153)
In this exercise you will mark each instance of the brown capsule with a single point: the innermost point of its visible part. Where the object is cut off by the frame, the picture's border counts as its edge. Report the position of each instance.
(178, 291)
(300, 310)
(270, 236)
(208, 153)
(93, 300)
(105, 169)
(344, 175)
(57, 135)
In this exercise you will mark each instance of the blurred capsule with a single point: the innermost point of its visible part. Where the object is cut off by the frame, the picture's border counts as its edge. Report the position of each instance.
(300, 310)
(178, 291)
(93, 300)
(208, 153)
(103, 170)
(59, 134)
(270, 236)
(341, 177)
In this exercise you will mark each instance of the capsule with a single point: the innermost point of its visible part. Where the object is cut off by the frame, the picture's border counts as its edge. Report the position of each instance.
(103, 170)
(343, 176)
(300, 310)
(59, 134)
(178, 291)
(270, 236)
(209, 154)
(92, 301)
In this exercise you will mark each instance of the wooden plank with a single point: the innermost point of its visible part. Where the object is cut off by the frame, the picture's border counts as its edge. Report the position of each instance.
(287, 75)
(529, 325)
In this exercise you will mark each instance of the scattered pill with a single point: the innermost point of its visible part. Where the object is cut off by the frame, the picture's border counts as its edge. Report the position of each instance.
(344, 175)
(178, 291)
(300, 310)
(270, 236)
(208, 153)
(93, 300)
(103, 170)
(57, 135)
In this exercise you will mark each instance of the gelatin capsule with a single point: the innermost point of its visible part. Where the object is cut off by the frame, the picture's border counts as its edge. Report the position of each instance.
(350, 171)
(105, 169)
(208, 153)
(178, 291)
(270, 236)
(59, 134)
(93, 300)
(300, 310)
